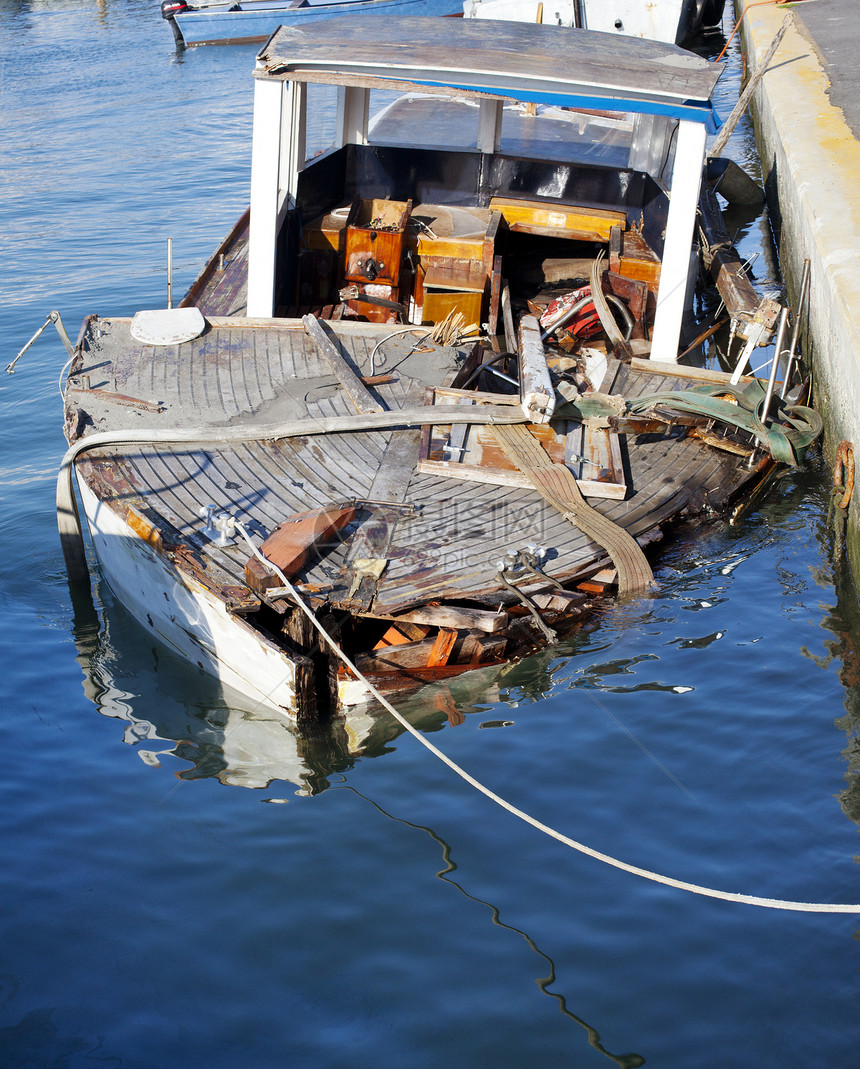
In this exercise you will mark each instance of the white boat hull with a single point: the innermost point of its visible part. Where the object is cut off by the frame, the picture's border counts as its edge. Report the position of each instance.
(669, 21)
(184, 614)
(256, 22)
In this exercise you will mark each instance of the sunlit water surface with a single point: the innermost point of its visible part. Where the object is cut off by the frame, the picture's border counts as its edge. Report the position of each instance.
(156, 913)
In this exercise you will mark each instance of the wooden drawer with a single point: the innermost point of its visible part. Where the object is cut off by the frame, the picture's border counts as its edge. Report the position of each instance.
(453, 286)
(559, 220)
(375, 241)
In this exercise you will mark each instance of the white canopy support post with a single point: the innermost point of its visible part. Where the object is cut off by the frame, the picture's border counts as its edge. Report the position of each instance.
(265, 162)
(352, 107)
(489, 125)
(293, 127)
(683, 202)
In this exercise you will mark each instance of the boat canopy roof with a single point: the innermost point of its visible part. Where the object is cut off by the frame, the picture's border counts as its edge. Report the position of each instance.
(481, 57)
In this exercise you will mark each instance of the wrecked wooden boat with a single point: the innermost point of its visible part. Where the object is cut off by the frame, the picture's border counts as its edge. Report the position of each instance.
(426, 391)
(229, 23)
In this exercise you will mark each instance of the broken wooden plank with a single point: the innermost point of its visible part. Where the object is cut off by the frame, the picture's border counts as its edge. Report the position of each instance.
(501, 477)
(508, 320)
(593, 454)
(682, 371)
(356, 587)
(448, 393)
(464, 650)
(290, 544)
(407, 655)
(443, 646)
(495, 295)
(537, 395)
(564, 601)
(599, 582)
(359, 394)
(399, 634)
(457, 617)
(482, 649)
(477, 458)
(722, 260)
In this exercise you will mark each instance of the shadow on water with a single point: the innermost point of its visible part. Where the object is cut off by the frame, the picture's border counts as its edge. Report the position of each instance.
(37, 1039)
(130, 676)
(625, 1061)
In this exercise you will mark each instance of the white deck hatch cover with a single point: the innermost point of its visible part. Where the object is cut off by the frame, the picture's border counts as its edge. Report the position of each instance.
(167, 326)
(549, 64)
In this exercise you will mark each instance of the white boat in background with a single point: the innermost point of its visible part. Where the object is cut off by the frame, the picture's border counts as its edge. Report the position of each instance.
(229, 23)
(671, 21)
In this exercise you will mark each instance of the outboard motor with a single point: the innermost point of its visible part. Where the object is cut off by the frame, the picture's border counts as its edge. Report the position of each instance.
(169, 8)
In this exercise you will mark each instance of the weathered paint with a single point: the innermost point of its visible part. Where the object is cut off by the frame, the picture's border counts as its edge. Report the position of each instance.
(184, 613)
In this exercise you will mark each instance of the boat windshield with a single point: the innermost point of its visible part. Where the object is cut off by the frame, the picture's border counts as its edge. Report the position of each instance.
(321, 120)
(621, 140)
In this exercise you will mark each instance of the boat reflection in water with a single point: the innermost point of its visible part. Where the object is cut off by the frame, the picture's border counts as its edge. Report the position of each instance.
(170, 710)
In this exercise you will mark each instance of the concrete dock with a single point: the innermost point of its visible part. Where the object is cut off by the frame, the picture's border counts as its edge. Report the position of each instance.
(807, 118)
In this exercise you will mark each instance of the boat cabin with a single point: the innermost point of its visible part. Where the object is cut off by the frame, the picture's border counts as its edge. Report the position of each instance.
(407, 169)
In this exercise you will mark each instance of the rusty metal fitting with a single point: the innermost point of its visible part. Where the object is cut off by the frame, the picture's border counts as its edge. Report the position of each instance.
(843, 472)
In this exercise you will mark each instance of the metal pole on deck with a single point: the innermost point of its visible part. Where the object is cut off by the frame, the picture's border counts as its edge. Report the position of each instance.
(780, 338)
(170, 272)
(795, 332)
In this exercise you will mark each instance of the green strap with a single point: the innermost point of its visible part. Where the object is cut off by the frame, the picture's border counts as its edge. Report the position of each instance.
(786, 437)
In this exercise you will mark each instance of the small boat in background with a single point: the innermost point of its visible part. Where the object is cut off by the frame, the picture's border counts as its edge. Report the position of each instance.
(256, 20)
(671, 21)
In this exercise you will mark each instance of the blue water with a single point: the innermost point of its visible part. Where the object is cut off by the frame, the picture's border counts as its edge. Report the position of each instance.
(156, 912)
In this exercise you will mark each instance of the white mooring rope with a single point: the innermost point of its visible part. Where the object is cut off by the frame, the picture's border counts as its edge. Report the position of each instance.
(656, 877)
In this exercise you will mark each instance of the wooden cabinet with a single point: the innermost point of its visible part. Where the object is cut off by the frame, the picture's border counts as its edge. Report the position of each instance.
(385, 252)
(373, 257)
(375, 237)
(453, 286)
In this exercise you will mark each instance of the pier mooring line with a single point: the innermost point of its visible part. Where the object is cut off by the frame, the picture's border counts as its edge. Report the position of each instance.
(635, 870)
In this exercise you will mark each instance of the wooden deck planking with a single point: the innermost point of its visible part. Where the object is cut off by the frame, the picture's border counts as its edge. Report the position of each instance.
(660, 494)
(370, 447)
(305, 359)
(346, 479)
(692, 470)
(473, 525)
(316, 472)
(184, 387)
(224, 361)
(351, 451)
(181, 486)
(244, 384)
(226, 294)
(185, 482)
(262, 364)
(449, 548)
